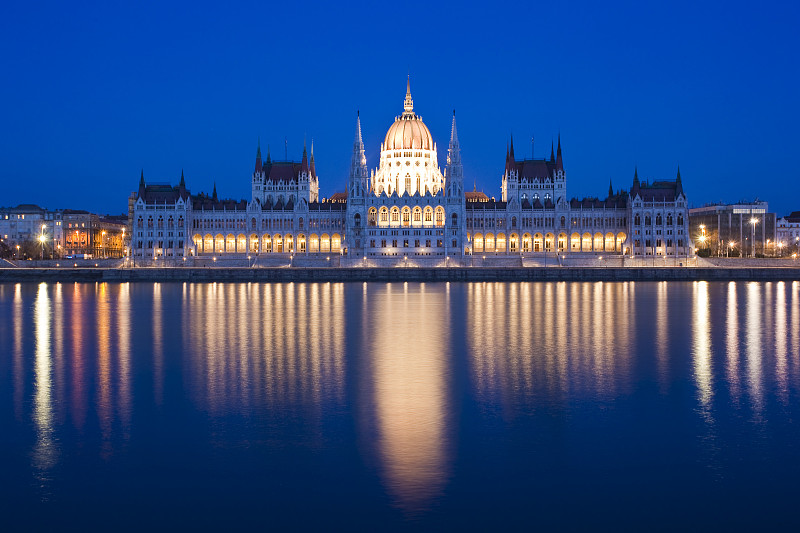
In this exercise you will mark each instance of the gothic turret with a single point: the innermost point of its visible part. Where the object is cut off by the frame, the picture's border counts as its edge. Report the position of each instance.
(258, 157)
(559, 161)
(311, 162)
(678, 183)
(142, 186)
(454, 172)
(358, 164)
(304, 162)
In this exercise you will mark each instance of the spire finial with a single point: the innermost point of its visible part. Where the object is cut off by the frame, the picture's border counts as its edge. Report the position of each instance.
(214, 193)
(408, 105)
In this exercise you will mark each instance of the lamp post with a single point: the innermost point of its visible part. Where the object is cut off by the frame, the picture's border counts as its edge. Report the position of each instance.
(730, 247)
(780, 249)
(41, 240)
(103, 243)
(753, 222)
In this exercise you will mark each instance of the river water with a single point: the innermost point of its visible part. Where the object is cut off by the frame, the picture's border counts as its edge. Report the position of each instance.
(535, 406)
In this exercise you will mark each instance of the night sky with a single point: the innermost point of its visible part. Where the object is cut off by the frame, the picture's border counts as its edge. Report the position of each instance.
(94, 92)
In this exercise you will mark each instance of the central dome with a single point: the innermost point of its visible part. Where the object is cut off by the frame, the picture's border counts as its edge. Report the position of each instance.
(408, 131)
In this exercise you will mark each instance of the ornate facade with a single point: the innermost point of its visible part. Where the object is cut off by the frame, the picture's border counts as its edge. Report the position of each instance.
(409, 208)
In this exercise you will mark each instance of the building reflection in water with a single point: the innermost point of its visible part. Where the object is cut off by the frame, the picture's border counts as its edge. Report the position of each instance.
(781, 367)
(753, 345)
(662, 335)
(732, 343)
(551, 340)
(45, 453)
(274, 344)
(701, 348)
(407, 371)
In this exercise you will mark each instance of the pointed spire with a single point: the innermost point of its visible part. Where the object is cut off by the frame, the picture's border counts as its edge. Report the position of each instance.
(610, 189)
(214, 192)
(635, 178)
(559, 161)
(408, 104)
(141, 185)
(269, 159)
(552, 153)
(304, 162)
(258, 156)
(678, 183)
(183, 181)
(454, 131)
(313, 169)
(358, 139)
(511, 150)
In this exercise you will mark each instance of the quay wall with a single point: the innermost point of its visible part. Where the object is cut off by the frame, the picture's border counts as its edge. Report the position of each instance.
(396, 274)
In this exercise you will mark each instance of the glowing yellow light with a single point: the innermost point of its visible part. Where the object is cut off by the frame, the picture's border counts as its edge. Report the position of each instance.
(41, 238)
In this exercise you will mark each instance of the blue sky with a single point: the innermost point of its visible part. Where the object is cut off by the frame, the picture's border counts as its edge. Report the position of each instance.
(95, 92)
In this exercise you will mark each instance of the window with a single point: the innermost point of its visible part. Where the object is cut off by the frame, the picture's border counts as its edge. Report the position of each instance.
(637, 220)
(454, 219)
(356, 221)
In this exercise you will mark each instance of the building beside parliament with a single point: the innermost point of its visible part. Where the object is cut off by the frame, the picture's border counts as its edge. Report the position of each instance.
(410, 208)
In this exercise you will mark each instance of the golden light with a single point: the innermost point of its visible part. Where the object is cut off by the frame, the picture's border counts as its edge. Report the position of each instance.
(702, 226)
(732, 244)
(754, 221)
(41, 239)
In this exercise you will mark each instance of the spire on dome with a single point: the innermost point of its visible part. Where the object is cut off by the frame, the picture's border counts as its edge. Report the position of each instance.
(559, 161)
(408, 104)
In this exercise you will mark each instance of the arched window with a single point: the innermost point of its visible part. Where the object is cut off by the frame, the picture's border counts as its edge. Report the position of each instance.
(170, 222)
(680, 220)
(180, 221)
(659, 220)
(647, 220)
(454, 219)
(563, 222)
(637, 220)
(140, 223)
(356, 220)
(395, 215)
(160, 222)
(372, 216)
(669, 219)
(439, 216)
(384, 214)
(417, 217)
(513, 222)
(428, 214)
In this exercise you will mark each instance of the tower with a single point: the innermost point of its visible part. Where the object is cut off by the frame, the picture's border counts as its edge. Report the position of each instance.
(357, 189)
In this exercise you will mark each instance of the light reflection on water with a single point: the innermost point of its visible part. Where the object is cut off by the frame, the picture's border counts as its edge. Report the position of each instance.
(86, 366)
(408, 364)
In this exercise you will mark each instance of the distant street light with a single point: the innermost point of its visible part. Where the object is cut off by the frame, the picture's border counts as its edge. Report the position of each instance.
(754, 221)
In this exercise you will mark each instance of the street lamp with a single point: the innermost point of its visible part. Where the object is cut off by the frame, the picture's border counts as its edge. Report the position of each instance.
(754, 221)
(41, 240)
(730, 247)
(102, 243)
(780, 249)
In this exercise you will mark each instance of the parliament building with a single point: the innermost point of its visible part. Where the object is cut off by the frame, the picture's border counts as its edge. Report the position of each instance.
(408, 210)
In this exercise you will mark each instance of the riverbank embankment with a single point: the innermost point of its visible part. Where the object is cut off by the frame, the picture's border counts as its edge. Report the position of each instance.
(394, 274)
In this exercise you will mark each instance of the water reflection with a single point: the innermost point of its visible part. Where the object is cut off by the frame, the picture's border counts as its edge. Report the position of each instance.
(701, 348)
(753, 346)
(45, 452)
(279, 344)
(549, 339)
(732, 343)
(408, 363)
